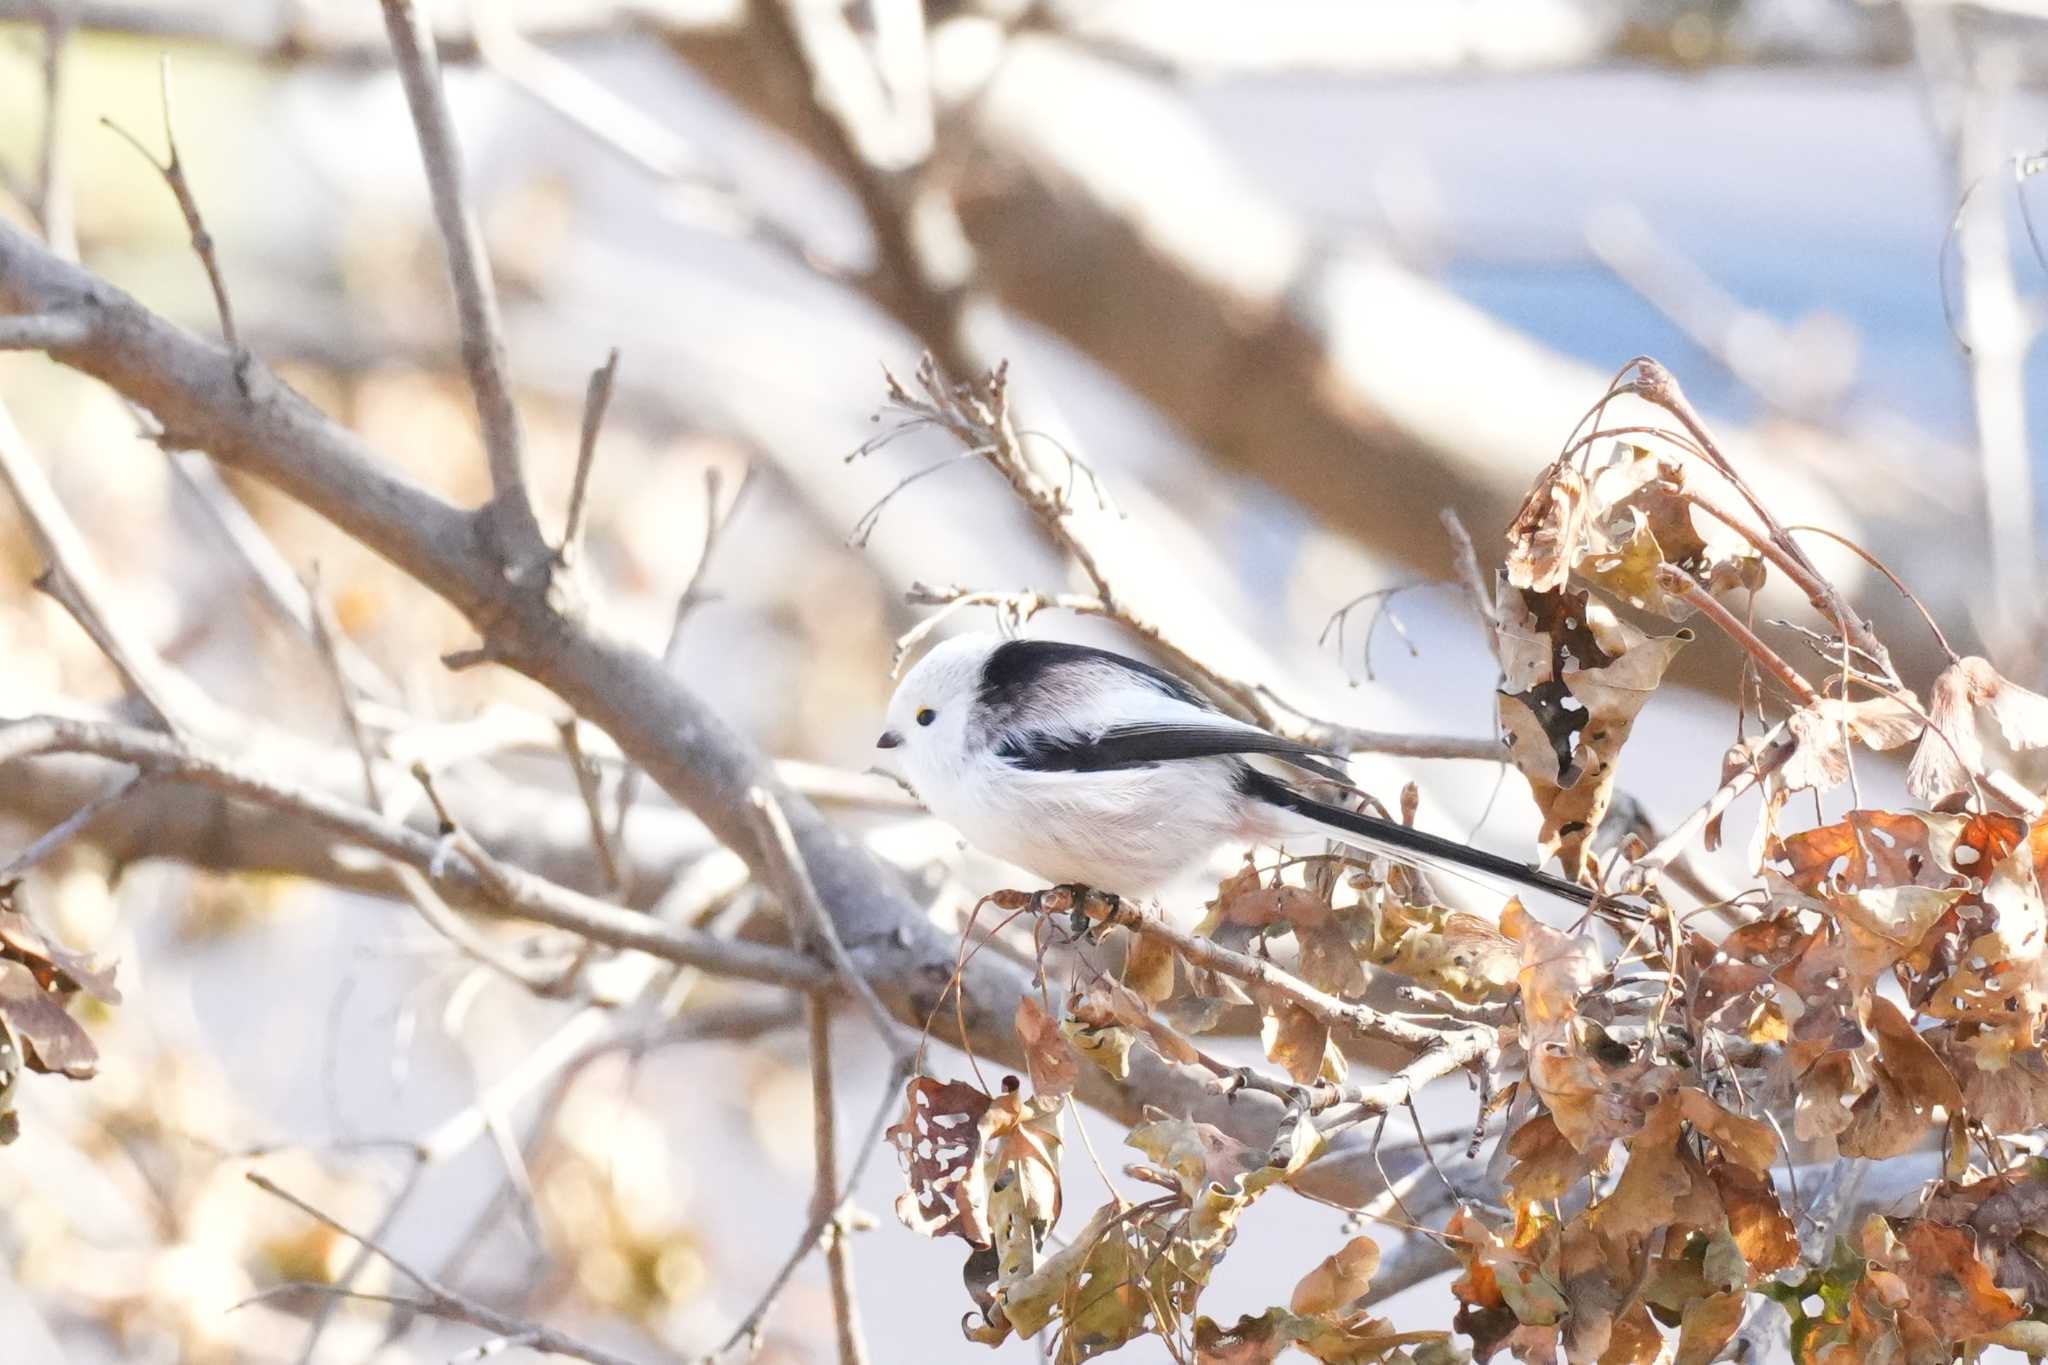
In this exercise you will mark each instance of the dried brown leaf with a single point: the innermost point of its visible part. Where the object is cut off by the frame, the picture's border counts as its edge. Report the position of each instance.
(1148, 968)
(1342, 1277)
(1543, 539)
(1048, 1054)
(51, 1040)
(1707, 1326)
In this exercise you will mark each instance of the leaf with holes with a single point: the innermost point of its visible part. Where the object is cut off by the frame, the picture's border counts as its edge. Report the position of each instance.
(1576, 677)
(939, 1143)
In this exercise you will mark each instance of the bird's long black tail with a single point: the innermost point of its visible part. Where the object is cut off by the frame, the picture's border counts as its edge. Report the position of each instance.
(1400, 841)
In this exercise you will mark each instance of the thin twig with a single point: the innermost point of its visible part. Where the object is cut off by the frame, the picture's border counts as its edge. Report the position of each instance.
(53, 205)
(596, 398)
(1679, 584)
(1655, 384)
(539, 977)
(66, 829)
(749, 1327)
(74, 579)
(496, 877)
(692, 596)
(173, 172)
(1940, 637)
(438, 1301)
(366, 1247)
(327, 635)
(1775, 748)
(277, 582)
(809, 922)
(469, 270)
(1319, 1005)
(585, 771)
(825, 1193)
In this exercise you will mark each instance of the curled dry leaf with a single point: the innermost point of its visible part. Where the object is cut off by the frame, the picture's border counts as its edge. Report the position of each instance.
(55, 967)
(1148, 968)
(1946, 1284)
(1341, 1278)
(1104, 1008)
(1910, 1089)
(1545, 1164)
(1330, 941)
(1641, 519)
(1707, 1325)
(2008, 1215)
(1576, 677)
(1298, 1041)
(1951, 751)
(1596, 1089)
(1021, 1142)
(1459, 953)
(50, 1040)
(1048, 1055)
(1823, 730)
(1545, 536)
(1359, 1340)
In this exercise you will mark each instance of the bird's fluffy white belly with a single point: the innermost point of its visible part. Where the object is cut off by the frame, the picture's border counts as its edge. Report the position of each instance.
(1128, 830)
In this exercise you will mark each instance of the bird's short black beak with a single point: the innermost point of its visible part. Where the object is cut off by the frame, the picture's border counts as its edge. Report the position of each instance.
(889, 740)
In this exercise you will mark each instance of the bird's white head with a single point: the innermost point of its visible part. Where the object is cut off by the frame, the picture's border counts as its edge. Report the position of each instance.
(931, 716)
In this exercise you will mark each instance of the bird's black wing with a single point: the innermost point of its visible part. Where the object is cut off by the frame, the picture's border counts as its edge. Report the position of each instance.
(1018, 671)
(1142, 743)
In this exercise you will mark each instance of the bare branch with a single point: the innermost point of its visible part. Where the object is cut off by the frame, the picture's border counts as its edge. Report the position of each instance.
(825, 1195)
(189, 386)
(43, 332)
(750, 1326)
(438, 1301)
(469, 269)
(514, 891)
(809, 922)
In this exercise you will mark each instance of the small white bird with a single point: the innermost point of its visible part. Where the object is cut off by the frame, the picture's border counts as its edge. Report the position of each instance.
(1083, 766)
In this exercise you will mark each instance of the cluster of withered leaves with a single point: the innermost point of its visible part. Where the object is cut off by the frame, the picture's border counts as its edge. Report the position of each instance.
(1603, 1267)
(986, 1168)
(1918, 1290)
(1888, 996)
(38, 980)
(1884, 993)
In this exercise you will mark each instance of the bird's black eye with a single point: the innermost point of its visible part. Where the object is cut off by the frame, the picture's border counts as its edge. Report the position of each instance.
(925, 715)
